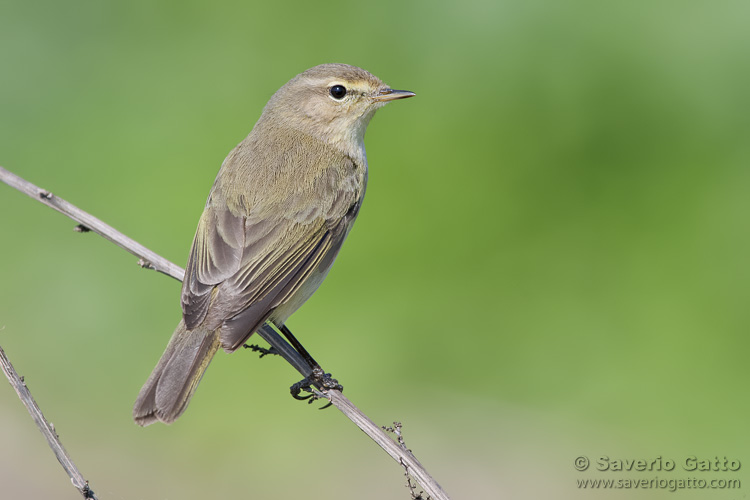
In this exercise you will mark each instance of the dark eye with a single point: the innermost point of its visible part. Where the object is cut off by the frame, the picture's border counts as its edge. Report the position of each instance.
(338, 92)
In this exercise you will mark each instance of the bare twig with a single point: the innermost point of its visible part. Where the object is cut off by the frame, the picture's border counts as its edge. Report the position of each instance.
(156, 262)
(45, 427)
(400, 454)
(88, 222)
(396, 430)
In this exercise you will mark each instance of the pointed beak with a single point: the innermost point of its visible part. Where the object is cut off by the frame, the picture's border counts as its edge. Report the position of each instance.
(386, 95)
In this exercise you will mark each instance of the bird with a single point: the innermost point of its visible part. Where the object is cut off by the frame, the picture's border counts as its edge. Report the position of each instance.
(282, 204)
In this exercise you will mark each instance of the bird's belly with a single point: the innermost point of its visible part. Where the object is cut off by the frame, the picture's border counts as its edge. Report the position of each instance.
(305, 291)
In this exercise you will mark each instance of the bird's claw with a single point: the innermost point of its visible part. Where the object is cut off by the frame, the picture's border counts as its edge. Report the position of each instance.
(308, 384)
(302, 385)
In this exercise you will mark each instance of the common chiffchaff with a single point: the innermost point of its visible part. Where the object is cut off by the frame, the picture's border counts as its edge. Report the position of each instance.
(281, 206)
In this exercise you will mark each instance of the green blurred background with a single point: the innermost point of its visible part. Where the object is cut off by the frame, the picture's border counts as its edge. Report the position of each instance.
(552, 259)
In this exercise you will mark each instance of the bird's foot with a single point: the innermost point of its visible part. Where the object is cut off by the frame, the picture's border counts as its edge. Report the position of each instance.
(262, 350)
(310, 384)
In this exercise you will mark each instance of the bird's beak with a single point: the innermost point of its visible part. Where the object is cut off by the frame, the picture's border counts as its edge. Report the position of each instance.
(386, 95)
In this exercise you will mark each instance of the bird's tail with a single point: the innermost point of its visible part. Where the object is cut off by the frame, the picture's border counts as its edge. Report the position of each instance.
(168, 390)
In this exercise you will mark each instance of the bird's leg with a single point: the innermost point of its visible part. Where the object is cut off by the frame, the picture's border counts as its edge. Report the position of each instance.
(317, 377)
(298, 347)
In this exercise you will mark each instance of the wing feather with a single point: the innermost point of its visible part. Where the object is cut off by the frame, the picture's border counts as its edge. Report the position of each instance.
(276, 260)
(249, 258)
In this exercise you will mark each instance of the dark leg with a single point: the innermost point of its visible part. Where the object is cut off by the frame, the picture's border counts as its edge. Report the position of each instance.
(298, 347)
(318, 376)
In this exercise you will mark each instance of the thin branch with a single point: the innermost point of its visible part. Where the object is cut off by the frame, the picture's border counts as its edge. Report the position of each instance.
(158, 263)
(401, 455)
(148, 258)
(396, 430)
(45, 427)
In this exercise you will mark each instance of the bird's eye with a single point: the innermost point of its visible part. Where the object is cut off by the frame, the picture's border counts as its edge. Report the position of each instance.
(338, 92)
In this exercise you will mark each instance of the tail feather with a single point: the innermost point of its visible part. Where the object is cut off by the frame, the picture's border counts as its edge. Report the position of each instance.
(168, 390)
